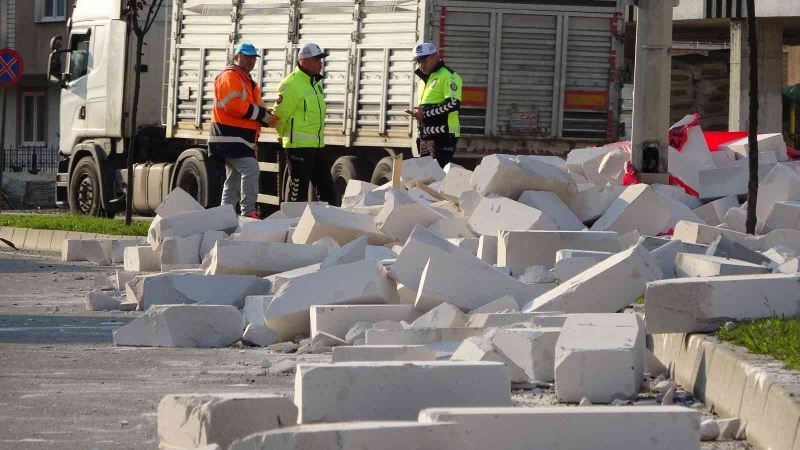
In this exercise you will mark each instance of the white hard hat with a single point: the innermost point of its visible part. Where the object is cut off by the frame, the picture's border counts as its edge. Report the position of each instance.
(311, 50)
(423, 49)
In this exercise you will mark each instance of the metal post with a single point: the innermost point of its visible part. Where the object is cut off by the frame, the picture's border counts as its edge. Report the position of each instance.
(3, 138)
(651, 86)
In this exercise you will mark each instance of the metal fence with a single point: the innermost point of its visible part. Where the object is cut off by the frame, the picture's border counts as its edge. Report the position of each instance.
(33, 159)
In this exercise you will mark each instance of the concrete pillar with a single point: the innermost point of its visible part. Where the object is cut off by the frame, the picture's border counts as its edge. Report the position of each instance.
(794, 65)
(770, 76)
(651, 86)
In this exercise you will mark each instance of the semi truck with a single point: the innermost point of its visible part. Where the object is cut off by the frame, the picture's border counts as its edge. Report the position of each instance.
(539, 77)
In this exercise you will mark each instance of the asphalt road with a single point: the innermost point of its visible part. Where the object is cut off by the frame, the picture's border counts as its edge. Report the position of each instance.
(63, 385)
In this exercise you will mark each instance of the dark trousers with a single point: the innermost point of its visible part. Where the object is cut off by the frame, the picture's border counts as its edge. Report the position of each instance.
(441, 148)
(300, 162)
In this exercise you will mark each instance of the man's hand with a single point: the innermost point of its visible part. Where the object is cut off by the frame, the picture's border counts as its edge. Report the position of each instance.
(270, 120)
(416, 113)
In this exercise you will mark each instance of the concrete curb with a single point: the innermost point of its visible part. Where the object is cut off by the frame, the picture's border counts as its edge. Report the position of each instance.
(48, 240)
(736, 383)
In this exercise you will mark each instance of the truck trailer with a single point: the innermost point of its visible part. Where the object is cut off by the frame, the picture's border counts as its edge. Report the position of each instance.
(539, 77)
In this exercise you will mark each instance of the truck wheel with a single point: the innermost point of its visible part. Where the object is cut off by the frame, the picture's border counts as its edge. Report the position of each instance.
(344, 169)
(84, 189)
(193, 177)
(383, 171)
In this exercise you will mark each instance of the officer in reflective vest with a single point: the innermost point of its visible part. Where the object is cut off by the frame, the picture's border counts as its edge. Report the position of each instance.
(236, 118)
(439, 102)
(301, 110)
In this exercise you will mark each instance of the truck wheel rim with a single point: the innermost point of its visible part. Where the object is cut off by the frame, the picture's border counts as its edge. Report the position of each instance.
(85, 195)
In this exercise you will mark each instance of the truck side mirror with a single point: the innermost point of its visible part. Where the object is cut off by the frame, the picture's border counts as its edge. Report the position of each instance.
(55, 42)
(55, 66)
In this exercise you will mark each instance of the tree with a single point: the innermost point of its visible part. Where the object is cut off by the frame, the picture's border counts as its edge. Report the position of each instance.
(139, 27)
(752, 138)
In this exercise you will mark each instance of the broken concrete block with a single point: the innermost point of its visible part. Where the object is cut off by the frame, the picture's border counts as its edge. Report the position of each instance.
(725, 247)
(188, 223)
(503, 320)
(383, 353)
(178, 250)
(141, 259)
(338, 319)
(735, 219)
(576, 157)
(420, 336)
(480, 348)
(72, 250)
(590, 203)
(456, 181)
(606, 168)
(124, 277)
(500, 213)
(355, 435)
(451, 227)
(696, 233)
(772, 142)
(689, 265)
(487, 249)
(506, 303)
(293, 210)
(677, 193)
(182, 326)
(678, 211)
(552, 427)
(713, 213)
(552, 206)
(467, 286)
(261, 258)
(356, 188)
(532, 350)
(267, 230)
(195, 420)
(510, 176)
(401, 213)
(353, 251)
(567, 265)
(468, 201)
(519, 250)
(782, 183)
(469, 245)
(691, 305)
(379, 253)
(279, 279)
(407, 296)
(259, 335)
(186, 288)
(395, 390)
(665, 255)
(784, 215)
(638, 207)
(610, 347)
(443, 316)
(210, 239)
(177, 201)
(118, 247)
(424, 169)
(608, 287)
(343, 226)
(362, 282)
(98, 300)
(328, 243)
(537, 275)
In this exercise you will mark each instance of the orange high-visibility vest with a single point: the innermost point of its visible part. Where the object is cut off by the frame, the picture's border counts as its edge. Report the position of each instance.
(236, 115)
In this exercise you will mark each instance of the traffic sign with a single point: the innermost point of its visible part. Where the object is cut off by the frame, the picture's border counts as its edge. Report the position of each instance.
(10, 67)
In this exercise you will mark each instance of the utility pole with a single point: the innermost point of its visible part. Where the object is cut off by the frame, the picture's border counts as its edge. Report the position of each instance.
(752, 137)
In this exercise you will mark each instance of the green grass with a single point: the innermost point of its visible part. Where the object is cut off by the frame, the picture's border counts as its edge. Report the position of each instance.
(86, 224)
(777, 337)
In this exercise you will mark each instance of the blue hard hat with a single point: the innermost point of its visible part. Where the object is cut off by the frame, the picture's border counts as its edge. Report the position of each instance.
(246, 49)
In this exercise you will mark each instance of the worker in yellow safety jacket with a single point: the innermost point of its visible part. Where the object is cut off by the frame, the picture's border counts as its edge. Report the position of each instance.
(236, 118)
(301, 110)
(439, 101)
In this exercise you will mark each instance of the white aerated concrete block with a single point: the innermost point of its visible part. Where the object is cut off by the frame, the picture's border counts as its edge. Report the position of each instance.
(531, 350)
(188, 223)
(293, 210)
(395, 390)
(261, 258)
(713, 213)
(735, 219)
(424, 169)
(353, 251)
(639, 207)
(679, 194)
(279, 279)
(177, 250)
(394, 435)
(782, 183)
(467, 286)
(468, 201)
(692, 305)
(608, 287)
(503, 320)
(451, 227)
(98, 300)
(180, 288)
(183, 326)
(195, 420)
(591, 202)
(177, 201)
(443, 316)
(467, 244)
(506, 303)
(772, 142)
(500, 213)
(550, 427)
(362, 282)
(383, 353)
(210, 239)
(487, 249)
(420, 336)
(665, 255)
(456, 181)
(519, 250)
(343, 226)
(141, 259)
(784, 215)
(510, 176)
(689, 265)
(552, 206)
(338, 319)
(600, 357)
(572, 262)
(578, 156)
(401, 213)
(267, 230)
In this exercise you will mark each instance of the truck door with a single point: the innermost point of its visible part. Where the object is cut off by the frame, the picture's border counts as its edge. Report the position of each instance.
(73, 96)
(96, 84)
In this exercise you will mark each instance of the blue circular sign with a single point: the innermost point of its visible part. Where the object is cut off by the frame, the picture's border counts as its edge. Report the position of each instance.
(10, 67)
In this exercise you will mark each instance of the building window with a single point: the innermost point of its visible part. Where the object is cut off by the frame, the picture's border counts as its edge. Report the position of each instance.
(33, 111)
(51, 10)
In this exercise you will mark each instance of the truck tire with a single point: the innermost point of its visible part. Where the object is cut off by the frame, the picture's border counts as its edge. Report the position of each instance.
(382, 173)
(84, 189)
(344, 169)
(195, 178)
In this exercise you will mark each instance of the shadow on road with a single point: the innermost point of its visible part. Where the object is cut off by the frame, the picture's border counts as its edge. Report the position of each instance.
(9, 265)
(42, 329)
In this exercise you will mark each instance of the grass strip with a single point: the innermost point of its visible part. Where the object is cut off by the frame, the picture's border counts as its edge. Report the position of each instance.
(776, 337)
(85, 224)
